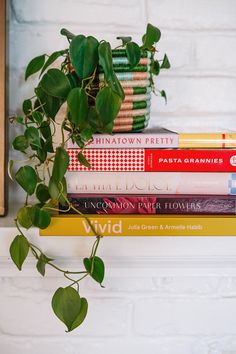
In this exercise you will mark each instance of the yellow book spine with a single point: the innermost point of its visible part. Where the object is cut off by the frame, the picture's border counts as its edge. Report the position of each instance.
(221, 141)
(137, 225)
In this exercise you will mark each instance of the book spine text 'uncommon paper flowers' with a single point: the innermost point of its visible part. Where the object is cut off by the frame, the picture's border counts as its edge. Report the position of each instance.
(152, 204)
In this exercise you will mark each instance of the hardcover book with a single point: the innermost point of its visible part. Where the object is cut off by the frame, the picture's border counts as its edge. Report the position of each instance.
(138, 225)
(152, 183)
(152, 204)
(163, 138)
(154, 160)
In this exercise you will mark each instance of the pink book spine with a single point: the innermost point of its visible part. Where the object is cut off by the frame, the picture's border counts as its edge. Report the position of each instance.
(140, 140)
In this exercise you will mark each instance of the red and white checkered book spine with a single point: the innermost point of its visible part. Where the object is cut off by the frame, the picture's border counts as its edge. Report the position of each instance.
(154, 160)
(109, 160)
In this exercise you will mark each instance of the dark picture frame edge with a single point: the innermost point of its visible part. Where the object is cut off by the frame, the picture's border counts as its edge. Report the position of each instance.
(3, 117)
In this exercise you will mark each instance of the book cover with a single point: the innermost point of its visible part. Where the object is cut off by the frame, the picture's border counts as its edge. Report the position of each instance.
(154, 160)
(139, 225)
(152, 204)
(152, 183)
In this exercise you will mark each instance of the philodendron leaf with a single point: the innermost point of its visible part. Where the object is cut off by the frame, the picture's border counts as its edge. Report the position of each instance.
(40, 218)
(19, 250)
(152, 36)
(105, 59)
(20, 143)
(133, 53)
(155, 67)
(165, 64)
(93, 118)
(32, 135)
(82, 159)
(37, 117)
(114, 83)
(86, 134)
(51, 105)
(27, 107)
(57, 190)
(55, 83)
(26, 177)
(84, 55)
(82, 314)
(98, 268)
(125, 40)
(53, 57)
(163, 94)
(60, 165)
(107, 105)
(24, 217)
(42, 193)
(41, 264)
(66, 304)
(47, 134)
(34, 66)
(78, 106)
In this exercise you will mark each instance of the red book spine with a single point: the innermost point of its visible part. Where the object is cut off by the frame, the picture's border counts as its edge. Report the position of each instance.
(154, 160)
(190, 160)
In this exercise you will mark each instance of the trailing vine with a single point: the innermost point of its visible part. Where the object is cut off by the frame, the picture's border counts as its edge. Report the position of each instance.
(91, 106)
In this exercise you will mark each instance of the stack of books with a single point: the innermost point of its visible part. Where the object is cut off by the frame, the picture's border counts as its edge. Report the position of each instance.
(154, 183)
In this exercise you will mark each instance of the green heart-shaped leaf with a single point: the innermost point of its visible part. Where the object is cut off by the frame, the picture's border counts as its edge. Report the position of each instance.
(82, 159)
(98, 268)
(53, 57)
(133, 53)
(42, 193)
(19, 250)
(114, 83)
(57, 189)
(66, 304)
(20, 143)
(60, 165)
(40, 218)
(78, 106)
(34, 66)
(84, 55)
(41, 264)
(105, 59)
(82, 314)
(27, 107)
(107, 105)
(24, 217)
(51, 105)
(26, 177)
(55, 83)
(152, 36)
(32, 135)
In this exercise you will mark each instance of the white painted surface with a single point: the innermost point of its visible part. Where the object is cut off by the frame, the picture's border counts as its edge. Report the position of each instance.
(163, 295)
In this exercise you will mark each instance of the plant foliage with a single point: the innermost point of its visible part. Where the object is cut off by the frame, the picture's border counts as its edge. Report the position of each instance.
(92, 106)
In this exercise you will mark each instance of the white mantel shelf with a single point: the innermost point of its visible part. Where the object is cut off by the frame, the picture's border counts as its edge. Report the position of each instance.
(191, 254)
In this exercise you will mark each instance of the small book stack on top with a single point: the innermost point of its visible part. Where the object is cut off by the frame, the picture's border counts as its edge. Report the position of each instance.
(154, 183)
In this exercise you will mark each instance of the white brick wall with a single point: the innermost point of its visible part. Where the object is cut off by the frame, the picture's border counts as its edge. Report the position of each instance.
(162, 296)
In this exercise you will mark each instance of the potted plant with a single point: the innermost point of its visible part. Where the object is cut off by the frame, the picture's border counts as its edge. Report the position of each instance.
(89, 84)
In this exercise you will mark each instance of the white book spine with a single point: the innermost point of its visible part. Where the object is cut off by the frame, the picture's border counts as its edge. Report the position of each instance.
(151, 183)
